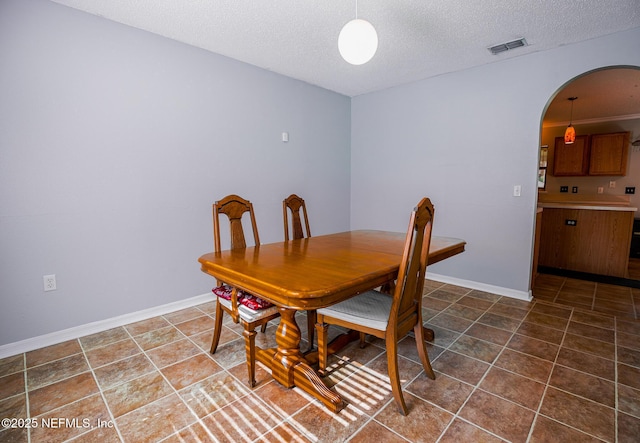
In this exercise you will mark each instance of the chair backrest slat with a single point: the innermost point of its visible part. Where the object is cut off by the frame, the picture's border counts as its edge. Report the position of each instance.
(298, 209)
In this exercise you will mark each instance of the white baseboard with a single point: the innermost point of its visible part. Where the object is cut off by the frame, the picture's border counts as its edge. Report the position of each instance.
(91, 328)
(521, 295)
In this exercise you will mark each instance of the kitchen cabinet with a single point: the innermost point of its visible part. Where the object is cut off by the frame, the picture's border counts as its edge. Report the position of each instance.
(608, 154)
(586, 240)
(598, 154)
(573, 159)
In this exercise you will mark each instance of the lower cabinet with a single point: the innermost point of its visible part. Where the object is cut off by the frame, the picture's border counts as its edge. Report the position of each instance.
(586, 240)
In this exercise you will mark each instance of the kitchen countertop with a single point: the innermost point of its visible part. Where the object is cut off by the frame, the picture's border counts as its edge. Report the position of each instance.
(598, 202)
(588, 206)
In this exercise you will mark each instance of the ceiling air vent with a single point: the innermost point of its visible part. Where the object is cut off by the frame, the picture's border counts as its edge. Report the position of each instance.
(497, 49)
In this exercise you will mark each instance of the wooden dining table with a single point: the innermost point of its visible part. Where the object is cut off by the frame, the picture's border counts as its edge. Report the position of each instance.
(313, 273)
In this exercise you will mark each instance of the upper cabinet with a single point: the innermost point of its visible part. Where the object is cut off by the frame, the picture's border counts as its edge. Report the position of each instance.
(571, 159)
(600, 154)
(609, 153)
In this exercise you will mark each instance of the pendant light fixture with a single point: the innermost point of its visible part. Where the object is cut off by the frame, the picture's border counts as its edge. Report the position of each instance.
(570, 133)
(358, 41)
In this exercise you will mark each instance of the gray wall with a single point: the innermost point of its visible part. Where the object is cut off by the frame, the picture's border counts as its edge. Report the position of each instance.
(115, 142)
(465, 139)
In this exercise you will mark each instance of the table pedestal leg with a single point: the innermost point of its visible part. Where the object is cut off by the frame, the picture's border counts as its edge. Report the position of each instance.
(289, 367)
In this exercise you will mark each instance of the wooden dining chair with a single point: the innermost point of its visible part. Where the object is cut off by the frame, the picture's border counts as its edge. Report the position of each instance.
(244, 308)
(386, 317)
(295, 206)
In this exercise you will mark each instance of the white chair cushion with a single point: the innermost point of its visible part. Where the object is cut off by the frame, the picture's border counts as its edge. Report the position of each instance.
(370, 309)
(248, 314)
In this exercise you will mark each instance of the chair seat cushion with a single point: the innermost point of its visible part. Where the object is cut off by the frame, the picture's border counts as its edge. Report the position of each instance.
(370, 309)
(250, 301)
(247, 314)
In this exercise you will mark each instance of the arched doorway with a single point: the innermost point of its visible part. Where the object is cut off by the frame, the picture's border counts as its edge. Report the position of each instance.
(608, 102)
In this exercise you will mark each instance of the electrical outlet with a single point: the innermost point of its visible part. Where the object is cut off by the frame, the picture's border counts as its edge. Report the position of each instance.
(49, 282)
(564, 188)
(571, 222)
(630, 190)
(574, 190)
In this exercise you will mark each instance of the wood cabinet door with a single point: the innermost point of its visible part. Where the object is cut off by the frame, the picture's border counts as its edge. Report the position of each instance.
(609, 154)
(573, 159)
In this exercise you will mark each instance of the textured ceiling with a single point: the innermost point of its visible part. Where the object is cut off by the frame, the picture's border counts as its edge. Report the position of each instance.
(417, 39)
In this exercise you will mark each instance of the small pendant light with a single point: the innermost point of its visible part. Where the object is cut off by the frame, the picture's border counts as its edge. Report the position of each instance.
(358, 41)
(570, 133)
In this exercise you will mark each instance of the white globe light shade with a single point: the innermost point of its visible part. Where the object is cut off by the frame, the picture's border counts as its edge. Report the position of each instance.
(358, 42)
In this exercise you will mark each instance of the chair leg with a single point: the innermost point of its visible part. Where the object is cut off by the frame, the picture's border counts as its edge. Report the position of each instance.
(321, 331)
(263, 328)
(422, 350)
(250, 349)
(217, 329)
(363, 340)
(394, 375)
(311, 327)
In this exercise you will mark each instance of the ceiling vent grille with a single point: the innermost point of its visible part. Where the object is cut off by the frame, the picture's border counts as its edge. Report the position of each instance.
(503, 47)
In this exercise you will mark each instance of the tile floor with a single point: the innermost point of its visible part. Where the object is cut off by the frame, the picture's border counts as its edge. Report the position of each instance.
(507, 370)
(620, 301)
